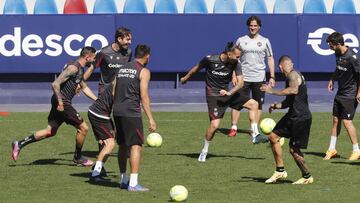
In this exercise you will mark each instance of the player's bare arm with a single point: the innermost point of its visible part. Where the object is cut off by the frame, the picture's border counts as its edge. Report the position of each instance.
(271, 64)
(87, 91)
(294, 82)
(88, 72)
(238, 86)
(64, 76)
(145, 99)
(191, 72)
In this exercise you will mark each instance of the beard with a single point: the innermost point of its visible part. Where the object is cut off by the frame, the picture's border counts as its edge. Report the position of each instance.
(88, 64)
(337, 52)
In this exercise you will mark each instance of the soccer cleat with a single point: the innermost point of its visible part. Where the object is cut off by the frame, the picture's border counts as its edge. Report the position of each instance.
(202, 157)
(260, 139)
(304, 181)
(83, 161)
(103, 172)
(276, 176)
(138, 188)
(15, 150)
(330, 154)
(232, 133)
(124, 185)
(355, 155)
(98, 179)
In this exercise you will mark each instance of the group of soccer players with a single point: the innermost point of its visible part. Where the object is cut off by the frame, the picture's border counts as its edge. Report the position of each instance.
(123, 86)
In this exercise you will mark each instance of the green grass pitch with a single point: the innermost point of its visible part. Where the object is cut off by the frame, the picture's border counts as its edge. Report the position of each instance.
(235, 170)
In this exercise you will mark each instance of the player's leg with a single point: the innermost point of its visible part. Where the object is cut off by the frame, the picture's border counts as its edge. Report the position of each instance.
(351, 130)
(335, 129)
(280, 172)
(300, 162)
(81, 133)
(252, 106)
(209, 135)
(258, 96)
(123, 152)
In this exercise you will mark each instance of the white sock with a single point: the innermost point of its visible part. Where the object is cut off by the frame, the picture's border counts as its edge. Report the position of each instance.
(97, 168)
(234, 126)
(124, 178)
(206, 146)
(356, 147)
(332, 145)
(133, 179)
(254, 129)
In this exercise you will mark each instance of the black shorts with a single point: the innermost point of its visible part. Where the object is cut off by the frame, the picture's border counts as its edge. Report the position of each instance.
(256, 93)
(129, 130)
(344, 108)
(217, 105)
(298, 130)
(103, 128)
(70, 116)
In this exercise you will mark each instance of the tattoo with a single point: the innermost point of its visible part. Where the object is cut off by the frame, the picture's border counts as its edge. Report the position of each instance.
(294, 82)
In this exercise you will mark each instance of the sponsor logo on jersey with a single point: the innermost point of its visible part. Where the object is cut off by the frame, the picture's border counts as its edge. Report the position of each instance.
(219, 73)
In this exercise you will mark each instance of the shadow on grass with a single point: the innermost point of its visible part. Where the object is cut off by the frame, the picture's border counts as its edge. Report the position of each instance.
(320, 154)
(45, 162)
(90, 154)
(209, 156)
(225, 131)
(353, 163)
(86, 176)
(260, 180)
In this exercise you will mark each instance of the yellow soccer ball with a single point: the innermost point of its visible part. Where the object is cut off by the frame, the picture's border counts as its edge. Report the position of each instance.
(178, 193)
(154, 140)
(267, 125)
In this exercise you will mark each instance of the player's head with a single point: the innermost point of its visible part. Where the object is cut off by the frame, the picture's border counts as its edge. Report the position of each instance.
(88, 53)
(285, 63)
(123, 37)
(335, 41)
(254, 24)
(142, 51)
(233, 52)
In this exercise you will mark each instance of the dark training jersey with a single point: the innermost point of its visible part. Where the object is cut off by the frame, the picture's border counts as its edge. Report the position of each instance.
(102, 107)
(127, 90)
(218, 74)
(68, 88)
(347, 74)
(110, 62)
(298, 103)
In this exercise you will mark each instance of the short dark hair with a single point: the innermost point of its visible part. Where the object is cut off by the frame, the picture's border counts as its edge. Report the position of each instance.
(122, 32)
(141, 50)
(335, 38)
(251, 18)
(87, 50)
(230, 46)
(284, 58)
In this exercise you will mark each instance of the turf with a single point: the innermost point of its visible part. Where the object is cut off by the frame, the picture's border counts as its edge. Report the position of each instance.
(234, 172)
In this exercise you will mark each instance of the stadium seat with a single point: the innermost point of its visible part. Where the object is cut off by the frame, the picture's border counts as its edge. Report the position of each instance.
(135, 6)
(165, 6)
(45, 7)
(314, 6)
(255, 6)
(195, 6)
(344, 6)
(75, 7)
(225, 6)
(105, 6)
(15, 7)
(285, 6)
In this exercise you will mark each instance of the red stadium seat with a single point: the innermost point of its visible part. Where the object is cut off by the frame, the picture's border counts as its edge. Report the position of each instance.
(75, 7)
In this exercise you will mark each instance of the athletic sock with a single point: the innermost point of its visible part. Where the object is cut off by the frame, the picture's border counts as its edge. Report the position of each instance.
(133, 179)
(356, 147)
(124, 178)
(332, 145)
(306, 175)
(77, 154)
(97, 168)
(280, 169)
(27, 140)
(234, 127)
(254, 129)
(206, 146)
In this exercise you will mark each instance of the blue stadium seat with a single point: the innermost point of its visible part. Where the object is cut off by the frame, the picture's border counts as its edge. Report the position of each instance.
(285, 6)
(105, 6)
(165, 6)
(344, 6)
(255, 6)
(15, 7)
(45, 7)
(195, 6)
(135, 6)
(314, 6)
(225, 6)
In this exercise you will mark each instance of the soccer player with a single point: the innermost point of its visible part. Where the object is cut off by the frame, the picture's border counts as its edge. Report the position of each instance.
(254, 50)
(348, 94)
(65, 88)
(132, 82)
(103, 128)
(112, 57)
(294, 125)
(219, 70)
